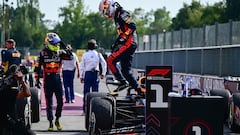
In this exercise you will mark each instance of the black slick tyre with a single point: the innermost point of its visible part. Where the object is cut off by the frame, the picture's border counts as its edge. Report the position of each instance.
(88, 98)
(102, 110)
(35, 104)
(226, 95)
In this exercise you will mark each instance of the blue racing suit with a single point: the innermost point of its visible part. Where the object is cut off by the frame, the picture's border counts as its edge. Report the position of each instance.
(10, 57)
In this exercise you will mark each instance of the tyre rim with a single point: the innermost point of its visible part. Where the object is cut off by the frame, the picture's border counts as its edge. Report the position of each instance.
(230, 121)
(26, 115)
(92, 123)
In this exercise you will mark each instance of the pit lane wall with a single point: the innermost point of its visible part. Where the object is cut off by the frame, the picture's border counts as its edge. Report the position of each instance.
(206, 83)
(206, 65)
(214, 61)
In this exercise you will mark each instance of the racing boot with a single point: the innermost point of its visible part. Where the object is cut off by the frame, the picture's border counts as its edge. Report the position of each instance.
(50, 128)
(58, 125)
(123, 84)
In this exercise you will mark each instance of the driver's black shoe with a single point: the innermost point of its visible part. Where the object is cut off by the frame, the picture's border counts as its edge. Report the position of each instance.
(121, 86)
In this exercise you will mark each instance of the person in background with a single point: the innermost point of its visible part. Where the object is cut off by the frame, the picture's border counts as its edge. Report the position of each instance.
(11, 55)
(68, 71)
(13, 88)
(29, 63)
(50, 63)
(9, 92)
(102, 51)
(124, 47)
(89, 69)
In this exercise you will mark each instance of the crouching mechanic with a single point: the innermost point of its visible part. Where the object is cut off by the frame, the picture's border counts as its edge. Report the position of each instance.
(124, 46)
(12, 86)
(50, 60)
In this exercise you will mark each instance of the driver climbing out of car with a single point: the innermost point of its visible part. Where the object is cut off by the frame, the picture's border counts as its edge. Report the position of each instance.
(124, 47)
(50, 62)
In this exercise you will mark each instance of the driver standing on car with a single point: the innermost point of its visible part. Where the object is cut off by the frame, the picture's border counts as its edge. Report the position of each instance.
(50, 62)
(124, 46)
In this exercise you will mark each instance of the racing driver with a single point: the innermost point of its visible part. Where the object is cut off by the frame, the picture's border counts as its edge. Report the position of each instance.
(50, 60)
(124, 46)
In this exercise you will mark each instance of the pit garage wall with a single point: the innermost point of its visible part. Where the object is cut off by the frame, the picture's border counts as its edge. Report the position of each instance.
(206, 65)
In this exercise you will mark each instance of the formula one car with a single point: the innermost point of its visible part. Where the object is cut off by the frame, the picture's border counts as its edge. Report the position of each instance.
(231, 95)
(112, 113)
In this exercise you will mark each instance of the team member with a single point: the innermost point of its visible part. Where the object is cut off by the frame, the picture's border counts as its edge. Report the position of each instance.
(11, 55)
(89, 69)
(13, 88)
(69, 67)
(50, 60)
(124, 46)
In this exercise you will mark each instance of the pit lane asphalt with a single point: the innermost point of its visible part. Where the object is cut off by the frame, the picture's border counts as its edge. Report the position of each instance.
(75, 125)
(72, 125)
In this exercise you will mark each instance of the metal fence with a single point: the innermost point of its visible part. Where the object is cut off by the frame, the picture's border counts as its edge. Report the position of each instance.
(210, 50)
(208, 35)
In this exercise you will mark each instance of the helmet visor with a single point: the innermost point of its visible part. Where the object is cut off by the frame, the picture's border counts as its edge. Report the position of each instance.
(53, 48)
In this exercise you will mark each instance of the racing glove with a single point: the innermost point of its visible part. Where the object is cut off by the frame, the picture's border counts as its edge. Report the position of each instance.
(122, 38)
(67, 49)
(62, 45)
(119, 41)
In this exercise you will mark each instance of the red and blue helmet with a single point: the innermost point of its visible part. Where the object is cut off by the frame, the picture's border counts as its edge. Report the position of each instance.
(107, 8)
(52, 38)
(52, 41)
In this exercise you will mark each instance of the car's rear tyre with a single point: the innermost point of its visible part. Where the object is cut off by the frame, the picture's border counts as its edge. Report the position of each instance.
(35, 104)
(91, 129)
(231, 119)
(89, 96)
(23, 111)
(27, 114)
(226, 95)
(102, 110)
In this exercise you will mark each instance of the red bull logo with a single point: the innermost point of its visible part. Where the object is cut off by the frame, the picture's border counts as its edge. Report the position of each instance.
(52, 65)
